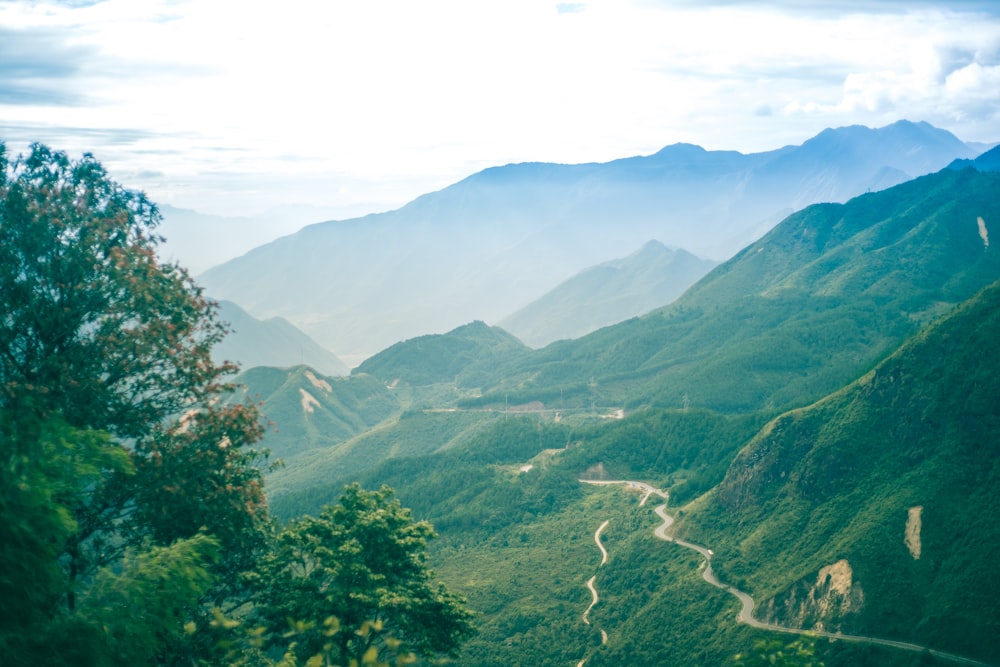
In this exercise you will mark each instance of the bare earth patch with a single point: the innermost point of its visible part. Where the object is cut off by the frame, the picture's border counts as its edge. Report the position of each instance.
(318, 382)
(913, 524)
(308, 401)
(840, 574)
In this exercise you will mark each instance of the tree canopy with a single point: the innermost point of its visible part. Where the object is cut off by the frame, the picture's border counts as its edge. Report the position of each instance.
(126, 482)
(362, 562)
(132, 509)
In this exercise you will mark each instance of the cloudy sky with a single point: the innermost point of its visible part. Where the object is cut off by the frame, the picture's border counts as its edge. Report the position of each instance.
(237, 107)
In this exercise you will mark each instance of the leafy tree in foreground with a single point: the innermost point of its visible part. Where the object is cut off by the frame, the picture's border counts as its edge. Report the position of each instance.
(358, 574)
(125, 486)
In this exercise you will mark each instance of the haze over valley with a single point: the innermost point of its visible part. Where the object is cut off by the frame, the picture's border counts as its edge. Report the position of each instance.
(616, 332)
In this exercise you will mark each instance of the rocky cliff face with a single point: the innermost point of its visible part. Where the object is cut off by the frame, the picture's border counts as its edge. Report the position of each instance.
(826, 602)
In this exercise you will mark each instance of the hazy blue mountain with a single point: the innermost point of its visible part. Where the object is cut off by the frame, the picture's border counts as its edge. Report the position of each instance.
(607, 293)
(815, 302)
(496, 241)
(988, 161)
(271, 342)
(199, 241)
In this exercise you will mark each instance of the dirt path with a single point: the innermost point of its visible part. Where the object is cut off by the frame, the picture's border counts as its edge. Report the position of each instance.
(747, 604)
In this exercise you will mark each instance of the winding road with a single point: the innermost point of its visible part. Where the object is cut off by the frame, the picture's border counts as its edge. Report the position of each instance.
(590, 582)
(747, 604)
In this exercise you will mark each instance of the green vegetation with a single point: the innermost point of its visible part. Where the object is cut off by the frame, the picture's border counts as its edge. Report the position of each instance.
(820, 411)
(910, 446)
(307, 410)
(362, 562)
(467, 356)
(132, 512)
(125, 484)
(809, 307)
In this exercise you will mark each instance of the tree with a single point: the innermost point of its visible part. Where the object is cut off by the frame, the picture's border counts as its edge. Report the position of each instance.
(774, 653)
(124, 478)
(361, 567)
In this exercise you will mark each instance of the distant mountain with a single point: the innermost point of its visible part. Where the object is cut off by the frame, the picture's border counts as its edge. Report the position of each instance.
(198, 241)
(889, 487)
(607, 293)
(271, 342)
(467, 356)
(491, 244)
(308, 410)
(988, 161)
(804, 310)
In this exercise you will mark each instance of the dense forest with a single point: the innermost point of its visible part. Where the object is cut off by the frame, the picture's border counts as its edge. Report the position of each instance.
(134, 528)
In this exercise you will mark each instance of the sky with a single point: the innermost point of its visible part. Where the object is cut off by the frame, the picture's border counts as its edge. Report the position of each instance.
(338, 108)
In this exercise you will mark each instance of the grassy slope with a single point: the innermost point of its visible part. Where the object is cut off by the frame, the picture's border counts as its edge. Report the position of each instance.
(836, 480)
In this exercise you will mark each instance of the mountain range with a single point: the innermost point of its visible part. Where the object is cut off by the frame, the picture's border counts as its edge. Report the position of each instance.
(489, 245)
(817, 300)
(812, 305)
(819, 407)
(607, 293)
(272, 342)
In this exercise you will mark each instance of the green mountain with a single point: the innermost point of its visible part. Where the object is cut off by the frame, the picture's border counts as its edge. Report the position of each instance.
(864, 505)
(484, 247)
(818, 300)
(467, 356)
(272, 342)
(988, 161)
(307, 410)
(608, 293)
(890, 487)
(869, 512)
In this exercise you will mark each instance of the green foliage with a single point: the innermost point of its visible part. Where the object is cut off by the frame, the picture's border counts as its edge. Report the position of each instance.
(809, 307)
(774, 653)
(93, 327)
(114, 454)
(307, 411)
(140, 606)
(838, 481)
(468, 356)
(363, 562)
(313, 479)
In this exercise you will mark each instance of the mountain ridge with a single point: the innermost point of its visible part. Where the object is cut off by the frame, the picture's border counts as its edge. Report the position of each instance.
(610, 292)
(498, 239)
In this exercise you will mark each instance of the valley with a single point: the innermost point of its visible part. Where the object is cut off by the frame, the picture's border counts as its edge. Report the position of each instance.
(492, 334)
(795, 404)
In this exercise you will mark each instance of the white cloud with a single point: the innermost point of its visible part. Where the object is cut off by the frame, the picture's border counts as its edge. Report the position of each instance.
(241, 105)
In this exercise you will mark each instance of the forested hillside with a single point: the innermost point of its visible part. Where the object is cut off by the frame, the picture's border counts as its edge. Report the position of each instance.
(845, 491)
(608, 293)
(896, 477)
(818, 300)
